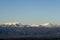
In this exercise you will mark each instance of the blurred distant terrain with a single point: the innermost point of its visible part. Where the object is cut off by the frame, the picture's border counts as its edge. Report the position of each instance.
(29, 31)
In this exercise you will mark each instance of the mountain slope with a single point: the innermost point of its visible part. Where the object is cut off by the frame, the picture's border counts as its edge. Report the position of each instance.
(19, 30)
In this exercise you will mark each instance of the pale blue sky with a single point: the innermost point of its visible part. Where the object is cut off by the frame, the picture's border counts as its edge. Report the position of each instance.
(30, 11)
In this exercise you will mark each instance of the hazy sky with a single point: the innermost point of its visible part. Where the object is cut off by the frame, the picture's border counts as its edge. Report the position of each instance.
(30, 11)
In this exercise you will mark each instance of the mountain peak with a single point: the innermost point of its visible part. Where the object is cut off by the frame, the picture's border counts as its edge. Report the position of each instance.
(46, 24)
(11, 23)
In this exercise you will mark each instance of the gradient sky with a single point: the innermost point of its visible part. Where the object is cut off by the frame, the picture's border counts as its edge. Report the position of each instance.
(30, 11)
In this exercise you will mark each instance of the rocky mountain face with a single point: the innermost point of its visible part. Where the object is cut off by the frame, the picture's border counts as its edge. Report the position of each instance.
(19, 30)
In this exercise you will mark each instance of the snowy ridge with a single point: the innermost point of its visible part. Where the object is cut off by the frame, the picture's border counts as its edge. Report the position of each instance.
(18, 29)
(16, 24)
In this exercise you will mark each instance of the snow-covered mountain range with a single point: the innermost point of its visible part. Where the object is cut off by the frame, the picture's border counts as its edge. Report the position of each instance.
(31, 25)
(36, 30)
